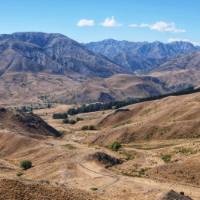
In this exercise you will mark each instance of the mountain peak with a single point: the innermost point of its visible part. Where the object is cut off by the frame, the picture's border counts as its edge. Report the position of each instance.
(140, 56)
(52, 53)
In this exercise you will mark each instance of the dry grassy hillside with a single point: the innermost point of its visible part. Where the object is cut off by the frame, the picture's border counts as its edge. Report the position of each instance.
(145, 163)
(171, 117)
(160, 139)
(26, 124)
(18, 190)
(25, 136)
(28, 88)
(180, 72)
(61, 163)
(120, 87)
(179, 78)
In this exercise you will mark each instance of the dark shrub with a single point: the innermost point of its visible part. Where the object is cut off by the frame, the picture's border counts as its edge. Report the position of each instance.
(60, 115)
(115, 146)
(72, 121)
(26, 164)
(69, 121)
(19, 174)
(166, 158)
(105, 159)
(90, 127)
(79, 119)
(84, 128)
(66, 121)
(94, 188)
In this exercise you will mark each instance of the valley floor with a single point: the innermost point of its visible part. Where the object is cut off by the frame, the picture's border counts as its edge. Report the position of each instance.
(64, 162)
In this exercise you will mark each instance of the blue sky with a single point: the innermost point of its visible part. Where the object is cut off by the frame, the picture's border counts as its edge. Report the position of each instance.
(93, 20)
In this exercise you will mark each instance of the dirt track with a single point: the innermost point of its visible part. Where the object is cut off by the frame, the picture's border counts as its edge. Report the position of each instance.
(111, 181)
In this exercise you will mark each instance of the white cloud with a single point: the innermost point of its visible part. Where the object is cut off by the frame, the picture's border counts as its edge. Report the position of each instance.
(166, 27)
(160, 26)
(183, 40)
(86, 22)
(110, 22)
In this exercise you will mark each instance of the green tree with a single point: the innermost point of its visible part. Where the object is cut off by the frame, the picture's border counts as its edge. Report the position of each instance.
(25, 164)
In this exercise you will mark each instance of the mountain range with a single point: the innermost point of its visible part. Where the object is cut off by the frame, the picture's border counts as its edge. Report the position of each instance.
(141, 56)
(34, 65)
(52, 53)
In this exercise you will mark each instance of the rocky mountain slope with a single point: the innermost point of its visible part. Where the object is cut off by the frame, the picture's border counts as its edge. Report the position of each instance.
(140, 56)
(34, 65)
(52, 53)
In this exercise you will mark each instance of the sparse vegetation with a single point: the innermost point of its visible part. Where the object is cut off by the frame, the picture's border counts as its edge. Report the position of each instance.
(19, 174)
(93, 107)
(166, 158)
(72, 121)
(69, 146)
(115, 146)
(25, 164)
(105, 159)
(69, 121)
(66, 121)
(90, 127)
(60, 116)
(142, 172)
(79, 119)
(146, 146)
(186, 151)
(36, 106)
(128, 156)
(93, 188)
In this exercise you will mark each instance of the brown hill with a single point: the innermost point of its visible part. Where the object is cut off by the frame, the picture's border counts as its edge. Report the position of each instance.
(28, 88)
(180, 72)
(119, 87)
(171, 117)
(188, 61)
(27, 124)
